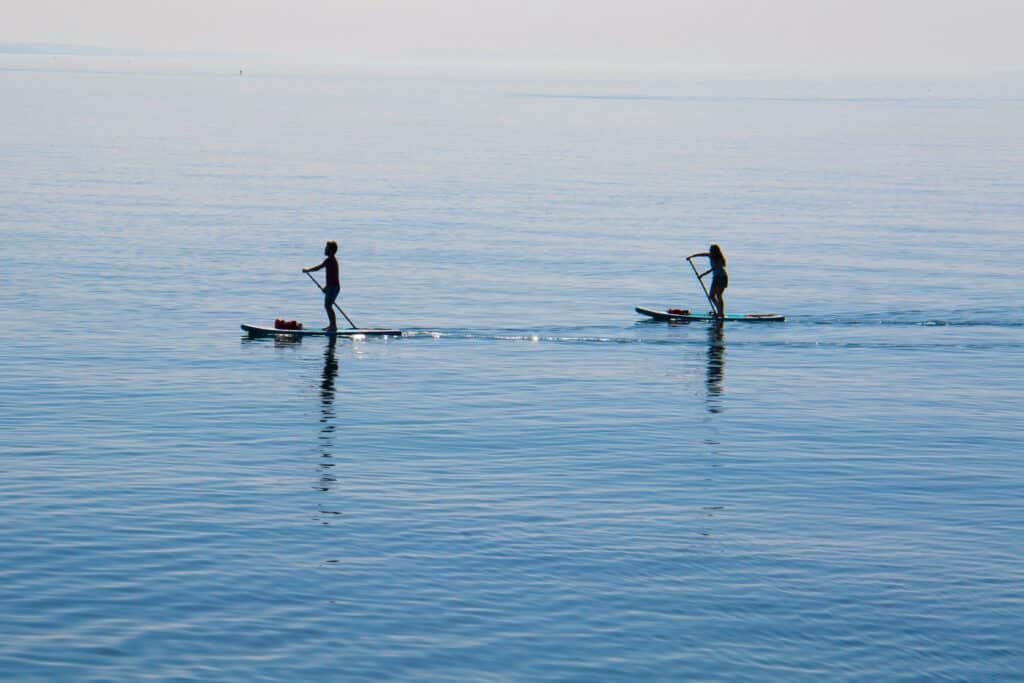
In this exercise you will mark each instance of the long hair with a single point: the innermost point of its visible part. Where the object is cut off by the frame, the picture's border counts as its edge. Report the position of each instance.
(716, 254)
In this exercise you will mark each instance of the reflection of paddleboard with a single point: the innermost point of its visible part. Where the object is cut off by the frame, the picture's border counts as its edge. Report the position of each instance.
(256, 331)
(704, 317)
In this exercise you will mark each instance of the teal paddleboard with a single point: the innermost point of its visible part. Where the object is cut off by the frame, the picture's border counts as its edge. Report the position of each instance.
(704, 317)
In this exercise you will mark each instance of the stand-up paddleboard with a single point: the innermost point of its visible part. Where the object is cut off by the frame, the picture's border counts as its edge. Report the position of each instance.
(257, 331)
(682, 315)
(704, 317)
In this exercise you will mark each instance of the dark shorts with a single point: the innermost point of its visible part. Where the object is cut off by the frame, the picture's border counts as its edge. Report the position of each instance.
(331, 294)
(720, 281)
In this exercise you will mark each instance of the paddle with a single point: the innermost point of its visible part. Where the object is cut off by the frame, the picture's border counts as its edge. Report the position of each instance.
(702, 286)
(335, 303)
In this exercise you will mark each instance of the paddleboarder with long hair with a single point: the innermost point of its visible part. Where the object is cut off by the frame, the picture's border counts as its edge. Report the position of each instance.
(719, 278)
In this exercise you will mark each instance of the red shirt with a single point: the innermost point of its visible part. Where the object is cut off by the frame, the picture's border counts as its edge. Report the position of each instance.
(331, 265)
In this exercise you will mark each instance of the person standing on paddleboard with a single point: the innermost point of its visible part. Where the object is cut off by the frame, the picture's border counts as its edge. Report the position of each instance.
(719, 279)
(333, 288)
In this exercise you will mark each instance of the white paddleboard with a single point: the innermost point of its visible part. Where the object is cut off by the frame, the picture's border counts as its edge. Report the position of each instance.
(257, 331)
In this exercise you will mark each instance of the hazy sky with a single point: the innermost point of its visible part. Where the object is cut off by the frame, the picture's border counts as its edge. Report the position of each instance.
(840, 37)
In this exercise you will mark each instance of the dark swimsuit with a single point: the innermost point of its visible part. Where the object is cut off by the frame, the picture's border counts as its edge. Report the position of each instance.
(719, 278)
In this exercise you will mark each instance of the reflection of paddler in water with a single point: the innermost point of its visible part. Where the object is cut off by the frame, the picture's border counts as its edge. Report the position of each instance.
(327, 381)
(327, 414)
(327, 390)
(716, 364)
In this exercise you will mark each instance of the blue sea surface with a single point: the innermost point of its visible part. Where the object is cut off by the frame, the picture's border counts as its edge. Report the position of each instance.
(533, 483)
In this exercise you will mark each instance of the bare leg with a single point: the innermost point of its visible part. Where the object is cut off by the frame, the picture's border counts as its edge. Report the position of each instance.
(331, 317)
(716, 300)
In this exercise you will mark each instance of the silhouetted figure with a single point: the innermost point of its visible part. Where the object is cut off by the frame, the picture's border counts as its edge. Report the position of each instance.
(333, 288)
(719, 279)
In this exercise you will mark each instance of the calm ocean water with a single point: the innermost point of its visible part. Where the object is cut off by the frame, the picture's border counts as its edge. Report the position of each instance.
(532, 484)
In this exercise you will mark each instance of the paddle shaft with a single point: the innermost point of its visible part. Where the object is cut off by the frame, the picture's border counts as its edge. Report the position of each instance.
(335, 303)
(701, 281)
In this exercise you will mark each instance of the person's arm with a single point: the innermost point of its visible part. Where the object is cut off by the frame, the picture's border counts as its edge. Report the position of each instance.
(314, 268)
(703, 253)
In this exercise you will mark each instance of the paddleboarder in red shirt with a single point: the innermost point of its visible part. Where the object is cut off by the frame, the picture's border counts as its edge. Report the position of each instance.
(333, 288)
